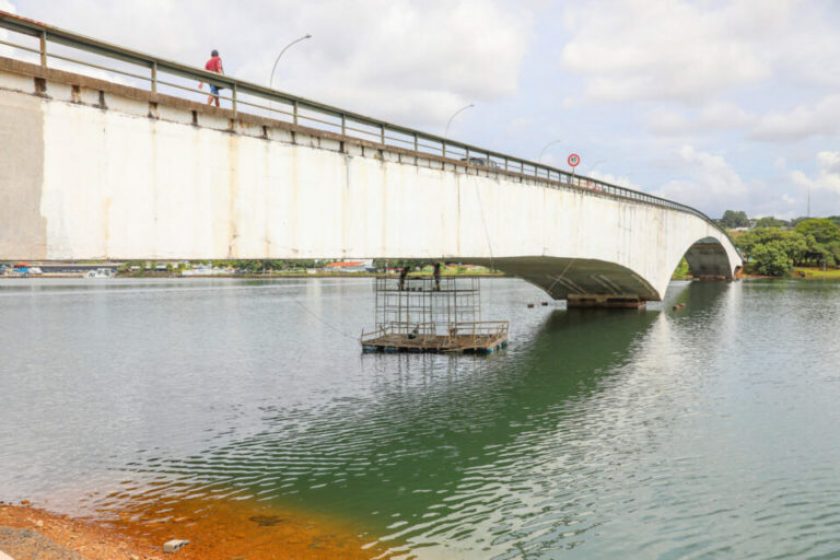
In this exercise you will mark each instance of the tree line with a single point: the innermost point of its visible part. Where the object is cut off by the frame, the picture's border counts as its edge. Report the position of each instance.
(774, 247)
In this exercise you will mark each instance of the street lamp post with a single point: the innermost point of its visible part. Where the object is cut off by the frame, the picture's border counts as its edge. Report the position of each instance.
(546, 147)
(455, 114)
(449, 122)
(273, 68)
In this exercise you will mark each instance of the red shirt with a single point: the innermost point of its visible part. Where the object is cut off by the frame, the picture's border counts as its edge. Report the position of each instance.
(214, 64)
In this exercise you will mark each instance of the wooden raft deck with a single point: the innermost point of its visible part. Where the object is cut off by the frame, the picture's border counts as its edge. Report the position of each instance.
(487, 342)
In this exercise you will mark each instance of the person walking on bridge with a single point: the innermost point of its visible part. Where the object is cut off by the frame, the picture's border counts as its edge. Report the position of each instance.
(213, 65)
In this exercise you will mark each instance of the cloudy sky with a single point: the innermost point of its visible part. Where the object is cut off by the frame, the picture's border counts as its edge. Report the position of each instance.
(718, 104)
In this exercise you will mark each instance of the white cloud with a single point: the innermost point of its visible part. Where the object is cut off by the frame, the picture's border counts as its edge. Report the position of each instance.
(708, 181)
(620, 180)
(712, 117)
(691, 51)
(804, 121)
(827, 176)
(637, 49)
(822, 118)
(720, 115)
(406, 61)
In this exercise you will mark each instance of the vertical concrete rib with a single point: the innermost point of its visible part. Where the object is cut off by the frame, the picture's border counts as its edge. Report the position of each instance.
(23, 229)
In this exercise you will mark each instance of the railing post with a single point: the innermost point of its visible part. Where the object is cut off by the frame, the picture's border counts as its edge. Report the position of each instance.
(295, 111)
(43, 47)
(506, 164)
(233, 100)
(382, 134)
(343, 125)
(416, 143)
(154, 77)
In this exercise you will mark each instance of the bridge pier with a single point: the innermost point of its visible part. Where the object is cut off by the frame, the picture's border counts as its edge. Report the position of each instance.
(605, 301)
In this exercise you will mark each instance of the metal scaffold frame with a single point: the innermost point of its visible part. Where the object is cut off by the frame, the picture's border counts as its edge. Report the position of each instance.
(431, 314)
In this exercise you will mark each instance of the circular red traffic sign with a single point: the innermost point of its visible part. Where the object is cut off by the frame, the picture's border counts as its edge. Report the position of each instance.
(573, 160)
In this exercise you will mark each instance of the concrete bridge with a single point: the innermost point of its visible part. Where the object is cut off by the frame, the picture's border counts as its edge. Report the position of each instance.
(95, 169)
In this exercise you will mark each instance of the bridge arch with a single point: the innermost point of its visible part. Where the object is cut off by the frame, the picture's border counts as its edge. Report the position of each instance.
(570, 278)
(708, 258)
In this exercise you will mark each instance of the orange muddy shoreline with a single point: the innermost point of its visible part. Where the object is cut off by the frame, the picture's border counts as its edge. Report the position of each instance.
(217, 530)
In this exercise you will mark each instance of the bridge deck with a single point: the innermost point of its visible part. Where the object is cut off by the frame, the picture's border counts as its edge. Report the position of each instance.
(174, 83)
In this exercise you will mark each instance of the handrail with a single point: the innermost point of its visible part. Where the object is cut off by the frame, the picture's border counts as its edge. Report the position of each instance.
(440, 146)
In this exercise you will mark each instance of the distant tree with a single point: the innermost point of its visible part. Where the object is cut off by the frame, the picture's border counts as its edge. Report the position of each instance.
(251, 266)
(834, 250)
(733, 219)
(683, 272)
(770, 222)
(761, 248)
(823, 229)
(823, 237)
(276, 264)
(771, 259)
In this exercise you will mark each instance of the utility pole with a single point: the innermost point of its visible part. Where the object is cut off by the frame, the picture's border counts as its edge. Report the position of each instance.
(808, 214)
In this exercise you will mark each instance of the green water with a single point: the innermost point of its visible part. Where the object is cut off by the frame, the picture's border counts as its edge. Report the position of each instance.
(705, 432)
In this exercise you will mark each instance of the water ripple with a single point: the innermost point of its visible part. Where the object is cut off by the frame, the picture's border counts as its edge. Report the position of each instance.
(700, 434)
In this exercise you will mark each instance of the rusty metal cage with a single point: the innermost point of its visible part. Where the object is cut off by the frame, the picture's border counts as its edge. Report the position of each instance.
(431, 314)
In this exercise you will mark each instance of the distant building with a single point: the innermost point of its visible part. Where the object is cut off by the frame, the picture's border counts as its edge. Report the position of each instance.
(206, 270)
(365, 265)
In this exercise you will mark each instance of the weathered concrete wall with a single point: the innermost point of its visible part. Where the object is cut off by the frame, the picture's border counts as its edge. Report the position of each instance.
(141, 180)
(22, 227)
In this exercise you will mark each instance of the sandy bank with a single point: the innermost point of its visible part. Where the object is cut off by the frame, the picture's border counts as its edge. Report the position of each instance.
(27, 533)
(217, 530)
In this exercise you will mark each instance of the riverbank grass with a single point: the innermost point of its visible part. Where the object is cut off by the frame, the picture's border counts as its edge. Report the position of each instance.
(816, 273)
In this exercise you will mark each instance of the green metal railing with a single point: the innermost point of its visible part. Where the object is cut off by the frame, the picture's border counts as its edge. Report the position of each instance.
(158, 72)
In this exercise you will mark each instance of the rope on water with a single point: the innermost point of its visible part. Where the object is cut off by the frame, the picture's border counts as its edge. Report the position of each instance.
(325, 323)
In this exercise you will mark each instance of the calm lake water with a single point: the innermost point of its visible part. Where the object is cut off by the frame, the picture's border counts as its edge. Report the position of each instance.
(708, 432)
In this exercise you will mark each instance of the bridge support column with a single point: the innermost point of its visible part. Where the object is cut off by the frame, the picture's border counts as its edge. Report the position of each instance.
(624, 301)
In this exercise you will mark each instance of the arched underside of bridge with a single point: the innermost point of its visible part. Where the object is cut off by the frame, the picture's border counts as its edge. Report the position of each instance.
(562, 277)
(707, 259)
(595, 282)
